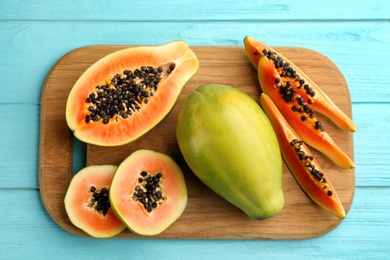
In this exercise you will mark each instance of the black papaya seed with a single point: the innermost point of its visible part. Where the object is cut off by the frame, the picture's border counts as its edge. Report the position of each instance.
(124, 91)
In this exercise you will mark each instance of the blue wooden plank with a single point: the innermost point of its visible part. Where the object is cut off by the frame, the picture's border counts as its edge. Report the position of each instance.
(200, 10)
(20, 144)
(19, 135)
(30, 233)
(34, 34)
(29, 50)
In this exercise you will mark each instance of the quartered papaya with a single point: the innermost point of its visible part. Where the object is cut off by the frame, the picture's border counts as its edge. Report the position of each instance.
(126, 93)
(148, 192)
(304, 86)
(301, 162)
(87, 202)
(298, 112)
(229, 144)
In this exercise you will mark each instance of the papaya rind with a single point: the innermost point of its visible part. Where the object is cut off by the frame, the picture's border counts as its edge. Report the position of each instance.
(229, 144)
(122, 131)
(310, 185)
(321, 101)
(88, 176)
(132, 213)
(316, 138)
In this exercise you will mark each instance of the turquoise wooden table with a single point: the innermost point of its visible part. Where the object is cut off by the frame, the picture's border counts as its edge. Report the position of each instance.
(355, 35)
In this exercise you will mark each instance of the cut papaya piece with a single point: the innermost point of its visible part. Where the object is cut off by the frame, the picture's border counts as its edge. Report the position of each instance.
(126, 93)
(298, 112)
(87, 202)
(303, 166)
(148, 192)
(304, 86)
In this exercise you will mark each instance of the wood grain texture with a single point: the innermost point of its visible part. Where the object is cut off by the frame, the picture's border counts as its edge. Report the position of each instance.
(300, 217)
(344, 43)
(36, 47)
(201, 10)
(355, 35)
(19, 152)
(363, 235)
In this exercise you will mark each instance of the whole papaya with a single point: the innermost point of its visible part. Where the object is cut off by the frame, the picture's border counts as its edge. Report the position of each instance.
(229, 143)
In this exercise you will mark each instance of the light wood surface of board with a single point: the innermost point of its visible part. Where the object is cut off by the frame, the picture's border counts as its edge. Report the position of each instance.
(207, 215)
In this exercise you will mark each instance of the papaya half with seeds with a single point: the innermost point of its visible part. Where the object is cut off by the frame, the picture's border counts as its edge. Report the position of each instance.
(298, 112)
(229, 144)
(148, 192)
(126, 93)
(87, 202)
(301, 162)
(303, 85)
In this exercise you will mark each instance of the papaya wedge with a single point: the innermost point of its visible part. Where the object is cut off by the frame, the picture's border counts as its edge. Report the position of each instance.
(319, 100)
(301, 162)
(298, 112)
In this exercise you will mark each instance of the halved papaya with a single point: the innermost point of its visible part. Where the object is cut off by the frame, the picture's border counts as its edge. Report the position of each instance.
(148, 192)
(126, 93)
(87, 202)
(304, 86)
(303, 166)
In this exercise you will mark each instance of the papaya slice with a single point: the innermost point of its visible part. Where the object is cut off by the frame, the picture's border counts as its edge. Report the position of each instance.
(301, 162)
(298, 112)
(148, 192)
(126, 93)
(304, 86)
(87, 202)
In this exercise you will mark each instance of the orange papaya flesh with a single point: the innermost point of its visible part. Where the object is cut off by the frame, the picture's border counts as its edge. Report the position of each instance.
(126, 93)
(148, 192)
(87, 202)
(298, 112)
(303, 166)
(304, 86)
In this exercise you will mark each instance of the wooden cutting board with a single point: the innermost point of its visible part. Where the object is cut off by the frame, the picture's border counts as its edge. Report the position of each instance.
(207, 215)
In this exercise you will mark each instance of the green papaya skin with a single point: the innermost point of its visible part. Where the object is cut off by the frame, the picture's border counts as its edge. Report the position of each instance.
(229, 143)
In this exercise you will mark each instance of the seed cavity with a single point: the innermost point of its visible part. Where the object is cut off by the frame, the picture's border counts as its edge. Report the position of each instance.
(125, 94)
(286, 70)
(288, 82)
(100, 200)
(148, 192)
(307, 160)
